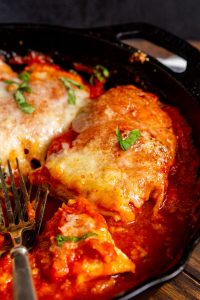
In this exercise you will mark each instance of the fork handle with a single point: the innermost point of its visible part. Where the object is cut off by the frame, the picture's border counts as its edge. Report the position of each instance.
(23, 286)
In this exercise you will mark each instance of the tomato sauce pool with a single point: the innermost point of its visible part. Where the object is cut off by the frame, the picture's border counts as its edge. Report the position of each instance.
(153, 242)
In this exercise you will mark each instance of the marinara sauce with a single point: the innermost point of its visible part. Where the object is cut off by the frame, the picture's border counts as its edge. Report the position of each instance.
(153, 242)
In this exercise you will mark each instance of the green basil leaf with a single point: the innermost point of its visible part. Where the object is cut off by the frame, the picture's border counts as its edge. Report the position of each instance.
(24, 76)
(24, 87)
(78, 85)
(71, 96)
(70, 91)
(21, 101)
(9, 81)
(72, 239)
(27, 108)
(91, 80)
(103, 69)
(73, 71)
(67, 82)
(19, 97)
(98, 75)
(126, 143)
(100, 72)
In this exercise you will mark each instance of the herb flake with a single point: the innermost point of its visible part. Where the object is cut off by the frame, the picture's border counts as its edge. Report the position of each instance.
(18, 94)
(100, 73)
(73, 239)
(126, 143)
(70, 91)
(9, 81)
(24, 76)
(21, 102)
(24, 87)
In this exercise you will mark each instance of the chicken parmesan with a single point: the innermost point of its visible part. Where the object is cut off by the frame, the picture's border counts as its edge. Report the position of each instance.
(34, 108)
(91, 161)
(76, 246)
(121, 168)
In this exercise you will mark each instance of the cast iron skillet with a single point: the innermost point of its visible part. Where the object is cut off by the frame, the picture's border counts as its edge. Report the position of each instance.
(104, 46)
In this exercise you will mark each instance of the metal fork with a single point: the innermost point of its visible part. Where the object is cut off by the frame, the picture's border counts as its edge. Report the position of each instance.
(14, 221)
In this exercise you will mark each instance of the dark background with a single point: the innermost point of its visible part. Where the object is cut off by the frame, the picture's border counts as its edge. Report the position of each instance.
(181, 17)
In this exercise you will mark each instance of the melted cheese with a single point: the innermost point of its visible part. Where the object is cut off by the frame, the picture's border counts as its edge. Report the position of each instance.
(21, 133)
(95, 166)
(90, 258)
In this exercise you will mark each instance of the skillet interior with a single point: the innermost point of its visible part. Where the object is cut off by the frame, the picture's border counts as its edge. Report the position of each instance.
(101, 47)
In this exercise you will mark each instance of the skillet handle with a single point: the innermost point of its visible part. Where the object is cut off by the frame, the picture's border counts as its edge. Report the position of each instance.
(190, 78)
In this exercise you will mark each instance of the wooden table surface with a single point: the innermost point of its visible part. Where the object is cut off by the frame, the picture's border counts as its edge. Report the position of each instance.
(185, 286)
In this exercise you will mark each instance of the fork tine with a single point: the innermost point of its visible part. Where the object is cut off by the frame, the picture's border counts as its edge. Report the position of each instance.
(18, 209)
(30, 190)
(23, 188)
(9, 210)
(41, 212)
(1, 214)
(37, 198)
